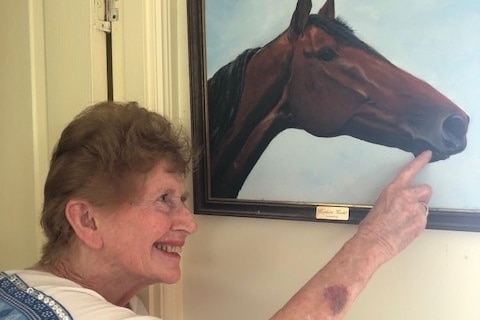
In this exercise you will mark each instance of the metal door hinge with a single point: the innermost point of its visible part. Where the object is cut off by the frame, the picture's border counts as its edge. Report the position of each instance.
(105, 14)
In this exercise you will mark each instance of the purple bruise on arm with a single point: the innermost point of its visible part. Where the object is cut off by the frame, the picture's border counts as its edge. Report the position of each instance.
(336, 296)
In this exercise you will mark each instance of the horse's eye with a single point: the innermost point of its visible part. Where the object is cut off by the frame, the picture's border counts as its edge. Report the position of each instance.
(327, 54)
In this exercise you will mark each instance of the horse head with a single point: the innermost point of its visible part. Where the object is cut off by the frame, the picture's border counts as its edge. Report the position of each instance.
(320, 77)
(339, 85)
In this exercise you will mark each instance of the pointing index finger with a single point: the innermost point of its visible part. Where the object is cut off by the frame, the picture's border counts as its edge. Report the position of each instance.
(413, 168)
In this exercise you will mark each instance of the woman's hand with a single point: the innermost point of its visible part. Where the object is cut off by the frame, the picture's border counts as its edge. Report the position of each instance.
(400, 213)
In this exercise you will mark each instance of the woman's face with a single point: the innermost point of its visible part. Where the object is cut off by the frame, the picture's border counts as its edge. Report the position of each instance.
(144, 238)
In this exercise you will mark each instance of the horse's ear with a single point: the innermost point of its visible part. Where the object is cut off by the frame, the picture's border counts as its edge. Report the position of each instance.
(299, 18)
(328, 10)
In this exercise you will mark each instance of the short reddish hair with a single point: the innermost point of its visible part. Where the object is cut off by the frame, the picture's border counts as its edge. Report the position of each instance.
(97, 158)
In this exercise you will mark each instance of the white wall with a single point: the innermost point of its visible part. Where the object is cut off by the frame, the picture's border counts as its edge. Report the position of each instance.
(240, 268)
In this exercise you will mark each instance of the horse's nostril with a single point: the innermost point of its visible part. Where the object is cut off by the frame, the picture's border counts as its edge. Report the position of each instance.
(454, 130)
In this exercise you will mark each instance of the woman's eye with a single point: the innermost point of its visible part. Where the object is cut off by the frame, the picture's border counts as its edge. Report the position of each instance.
(163, 198)
(169, 203)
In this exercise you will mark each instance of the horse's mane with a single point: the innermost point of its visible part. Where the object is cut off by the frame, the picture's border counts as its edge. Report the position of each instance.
(225, 89)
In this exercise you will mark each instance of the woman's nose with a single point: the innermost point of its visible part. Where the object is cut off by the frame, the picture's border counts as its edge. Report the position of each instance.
(185, 221)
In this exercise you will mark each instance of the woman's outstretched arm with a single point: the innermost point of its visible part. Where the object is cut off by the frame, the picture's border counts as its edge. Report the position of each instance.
(397, 218)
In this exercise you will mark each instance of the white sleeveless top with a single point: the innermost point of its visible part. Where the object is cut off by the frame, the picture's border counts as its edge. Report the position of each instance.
(31, 294)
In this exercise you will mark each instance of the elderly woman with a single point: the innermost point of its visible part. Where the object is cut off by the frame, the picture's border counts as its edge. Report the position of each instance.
(115, 220)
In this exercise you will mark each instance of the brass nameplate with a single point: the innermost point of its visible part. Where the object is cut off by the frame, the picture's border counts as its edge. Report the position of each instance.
(333, 213)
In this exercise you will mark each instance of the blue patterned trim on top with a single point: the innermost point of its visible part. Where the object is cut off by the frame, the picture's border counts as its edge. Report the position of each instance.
(18, 301)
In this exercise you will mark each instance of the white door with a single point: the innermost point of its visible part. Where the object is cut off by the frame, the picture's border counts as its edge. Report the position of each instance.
(53, 65)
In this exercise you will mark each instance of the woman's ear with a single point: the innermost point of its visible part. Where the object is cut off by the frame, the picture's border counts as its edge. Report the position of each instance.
(79, 214)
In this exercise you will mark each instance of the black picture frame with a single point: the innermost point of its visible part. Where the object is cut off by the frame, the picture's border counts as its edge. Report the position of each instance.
(204, 203)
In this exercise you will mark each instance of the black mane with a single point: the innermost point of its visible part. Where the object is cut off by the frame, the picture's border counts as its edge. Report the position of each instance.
(225, 89)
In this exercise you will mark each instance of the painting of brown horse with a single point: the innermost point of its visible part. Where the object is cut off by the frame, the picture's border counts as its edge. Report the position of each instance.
(318, 76)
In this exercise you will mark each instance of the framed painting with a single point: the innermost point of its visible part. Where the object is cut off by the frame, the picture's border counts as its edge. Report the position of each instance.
(306, 110)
